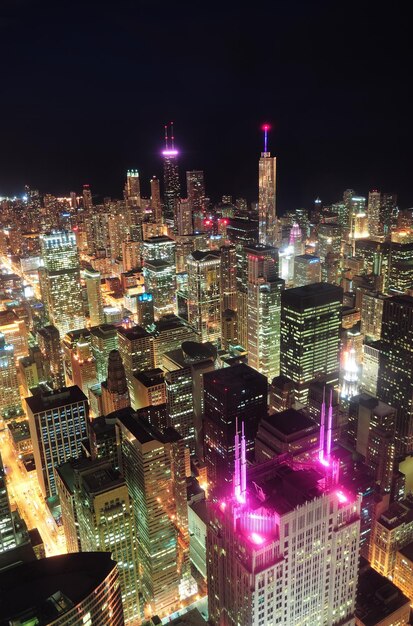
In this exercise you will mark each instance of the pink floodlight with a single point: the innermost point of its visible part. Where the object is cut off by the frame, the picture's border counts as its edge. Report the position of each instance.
(342, 498)
(324, 461)
(240, 498)
(257, 539)
(223, 506)
(170, 152)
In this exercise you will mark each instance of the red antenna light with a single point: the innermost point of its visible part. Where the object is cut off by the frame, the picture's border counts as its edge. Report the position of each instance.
(166, 136)
(266, 128)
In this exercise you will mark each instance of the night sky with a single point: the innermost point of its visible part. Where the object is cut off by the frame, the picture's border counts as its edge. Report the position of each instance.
(88, 86)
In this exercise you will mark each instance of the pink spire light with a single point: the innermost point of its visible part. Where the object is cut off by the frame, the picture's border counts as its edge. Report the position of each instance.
(243, 465)
(329, 425)
(322, 426)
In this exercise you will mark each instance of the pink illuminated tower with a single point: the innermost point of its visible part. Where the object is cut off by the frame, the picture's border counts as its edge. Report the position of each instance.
(283, 546)
(171, 174)
(267, 215)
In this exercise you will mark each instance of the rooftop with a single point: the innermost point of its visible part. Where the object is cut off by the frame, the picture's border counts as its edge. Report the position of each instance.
(53, 399)
(407, 551)
(313, 295)
(103, 330)
(290, 424)
(136, 332)
(142, 430)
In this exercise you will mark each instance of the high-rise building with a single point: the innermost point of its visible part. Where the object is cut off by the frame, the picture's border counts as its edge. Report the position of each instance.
(376, 227)
(184, 218)
(136, 351)
(171, 175)
(395, 382)
(160, 281)
(153, 464)
(10, 404)
(401, 267)
(133, 188)
(230, 394)
(115, 393)
(228, 278)
(58, 423)
(204, 294)
(103, 339)
(292, 537)
(76, 589)
(370, 371)
(329, 236)
(156, 201)
(310, 328)
(392, 531)
(61, 281)
(8, 539)
(371, 314)
(92, 280)
(83, 365)
(160, 248)
(48, 339)
(307, 270)
(15, 332)
(263, 310)
(267, 196)
(87, 197)
(195, 189)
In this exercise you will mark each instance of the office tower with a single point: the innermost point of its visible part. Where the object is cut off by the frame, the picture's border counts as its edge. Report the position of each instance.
(292, 535)
(136, 351)
(83, 365)
(184, 218)
(290, 432)
(61, 280)
(403, 572)
(10, 404)
(169, 333)
(307, 270)
(392, 531)
(104, 515)
(395, 383)
(87, 197)
(119, 225)
(153, 464)
(388, 211)
(376, 227)
(65, 487)
(230, 394)
(58, 423)
(263, 310)
(281, 394)
(170, 175)
(195, 189)
(115, 393)
(179, 389)
(150, 388)
(160, 281)
(15, 332)
(329, 238)
(267, 196)
(161, 248)
(204, 294)
(156, 201)
(229, 329)
(145, 314)
(358, 218)
(371, 430)
(48, 339)
(131, 254)
(103, 339)
(401, 267)
(370, 371)
(371, 314)
(296, 239)
(28, 374)
(8, 539)
(228, 278)
(92, 280)
(133, 188)
(310, 328)
(76, 589)
(242, 232)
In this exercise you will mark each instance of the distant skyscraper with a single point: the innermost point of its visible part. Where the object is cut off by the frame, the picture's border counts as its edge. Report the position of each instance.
(103, 339)
(92, 280)
(195, 187)
(376, 227)
(230, 394)
(156, 201)
(153, 465)
(401, 267)
(58, 424)
(204, 294)
(133, 188)
(160, 281)
(136, 351)
(48, 339)
(293, 537)
(87, 197)
(61, 280)
(171, 175)
(115, 393)
(228, 278)
(10, 404)
(310, 327)
(184, 218)
(307, 270)
(267, 195)
(395, 382)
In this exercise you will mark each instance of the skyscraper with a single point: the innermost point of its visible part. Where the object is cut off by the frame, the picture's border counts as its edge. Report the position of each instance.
(228, 278)
(284, 548)
(58, 424)
(61, 281)
(204, 294)
(115, 393)
(48, 339)
(376, 227)
(133, 188)
(310, 327)
(171, 175)
(136, 351)
(7, 532)
(92, 280)
(153, 464)
(10, 404)
(267, 195)
(87, 197)
(103, 339)
(156, 201)
(395, 381)
(307, 270)
(160, 281)
(230, 394)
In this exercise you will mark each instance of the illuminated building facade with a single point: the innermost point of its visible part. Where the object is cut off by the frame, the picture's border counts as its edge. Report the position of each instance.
(401, 267)
(8, 539)
(160, 281)
(392, 530)
(267, 169)
(228, 278)
(153, 465)
(10, 404)
(92, 280)
(61, 281)
(48, 339)
(58, 424)
(230, 394)
(159, 247)
(292, 537)
(170, 176)
(103, 339)
(204, 295)
(376, 227)
(307, 270)
(136, 351)
(156, 201)
(395, 383)
(115, 393)
(310, 327)
(15, 332)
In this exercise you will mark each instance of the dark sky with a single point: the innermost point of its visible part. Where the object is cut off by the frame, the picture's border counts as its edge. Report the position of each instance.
(87, 87)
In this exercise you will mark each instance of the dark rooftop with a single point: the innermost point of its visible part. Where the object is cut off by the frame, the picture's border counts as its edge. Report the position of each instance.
(203, 255)
(26, 590)
(150, 377)
(290, 422)
(312, 295)
(142, 430)
(136, 332)
(54, 399)
(103, 330)
(235, 377)
(407, 551)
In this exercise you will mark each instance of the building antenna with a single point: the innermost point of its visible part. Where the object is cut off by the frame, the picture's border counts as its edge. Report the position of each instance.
(166, 136)
(172, 135)
(330, 425)
(266, 128)
(243, 466)
(237, 473)
(322, 426)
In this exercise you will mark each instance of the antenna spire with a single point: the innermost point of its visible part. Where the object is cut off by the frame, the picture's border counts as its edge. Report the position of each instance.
(266, 128)
(322, 426)
(237, 472)
(243, 466)
(172, 135)
(166, 136)
(329, 425)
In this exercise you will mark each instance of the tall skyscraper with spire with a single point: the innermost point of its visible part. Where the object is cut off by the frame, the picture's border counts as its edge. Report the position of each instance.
(171, 174)
(267, 195)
